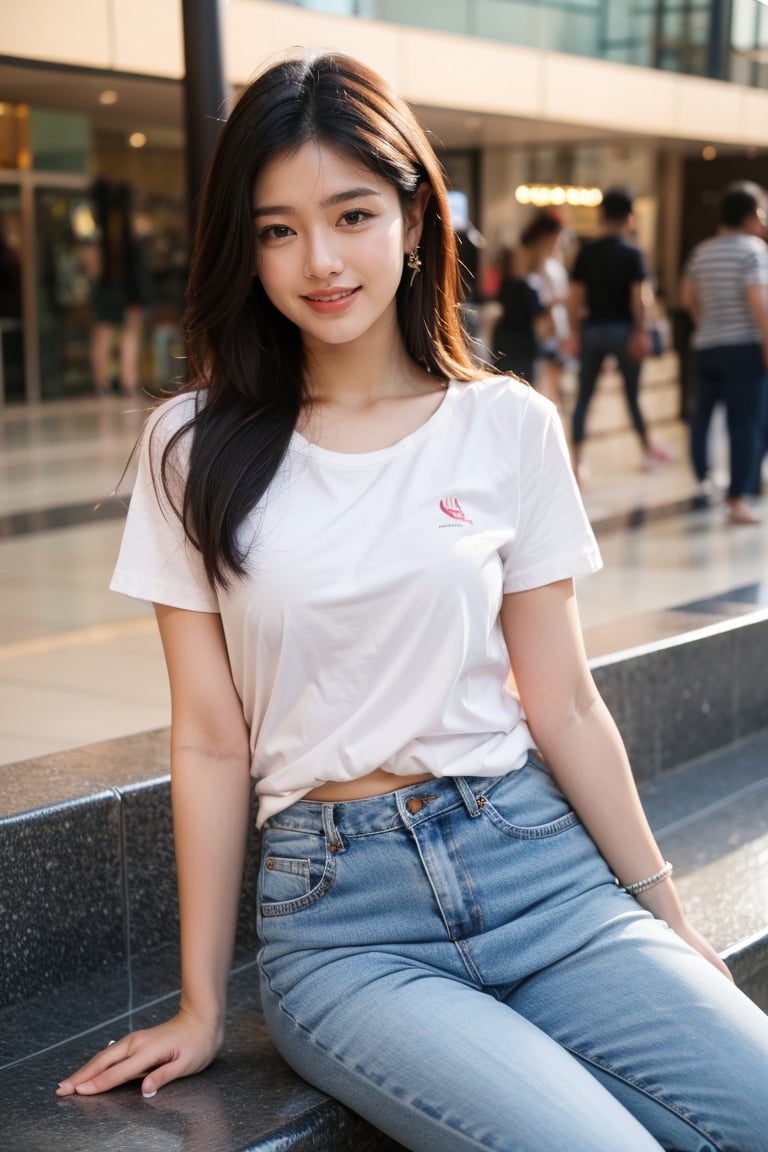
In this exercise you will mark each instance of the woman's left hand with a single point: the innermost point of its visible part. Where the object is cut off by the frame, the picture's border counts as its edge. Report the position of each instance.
(663, 902)
(688, 933)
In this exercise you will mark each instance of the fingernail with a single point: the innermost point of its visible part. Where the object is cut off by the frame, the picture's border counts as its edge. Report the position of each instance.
(149, 1095)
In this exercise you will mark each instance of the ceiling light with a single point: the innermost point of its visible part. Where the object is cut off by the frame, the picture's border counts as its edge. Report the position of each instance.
(108, 96)
(137, 139)
(544, 195)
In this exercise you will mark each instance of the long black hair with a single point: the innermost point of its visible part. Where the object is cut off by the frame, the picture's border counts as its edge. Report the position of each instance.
(240, 348)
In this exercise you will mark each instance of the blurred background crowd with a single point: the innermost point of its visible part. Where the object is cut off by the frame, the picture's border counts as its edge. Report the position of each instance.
(537, 108)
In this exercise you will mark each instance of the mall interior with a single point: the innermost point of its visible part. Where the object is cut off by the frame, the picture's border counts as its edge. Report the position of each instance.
(527, 102)
(519, 98)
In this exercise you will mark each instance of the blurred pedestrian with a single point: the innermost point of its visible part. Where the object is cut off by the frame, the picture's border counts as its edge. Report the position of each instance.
(515, 342)
(725, 289)
(758, 477)
(540, 242)
(120, 290)
(610, 301)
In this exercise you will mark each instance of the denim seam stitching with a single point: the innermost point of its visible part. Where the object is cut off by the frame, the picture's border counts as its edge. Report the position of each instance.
(672, 1108)
(462, 947)
(535, 832)
(357, 1070)
(301, 903)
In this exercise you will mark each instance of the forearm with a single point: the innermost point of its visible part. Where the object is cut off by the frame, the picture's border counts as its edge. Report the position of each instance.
(587, 758)
(210, 791)
(210, 810)
(689, 300)
(576, 306)
(638, 308)
(757, 302)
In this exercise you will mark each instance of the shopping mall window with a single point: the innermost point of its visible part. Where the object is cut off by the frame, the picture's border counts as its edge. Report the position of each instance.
(724, 39)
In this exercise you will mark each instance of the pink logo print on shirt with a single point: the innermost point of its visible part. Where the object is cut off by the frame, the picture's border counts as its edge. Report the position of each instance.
(451, 507)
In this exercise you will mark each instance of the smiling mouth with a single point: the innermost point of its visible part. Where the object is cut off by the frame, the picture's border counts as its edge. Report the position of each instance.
(329, 297)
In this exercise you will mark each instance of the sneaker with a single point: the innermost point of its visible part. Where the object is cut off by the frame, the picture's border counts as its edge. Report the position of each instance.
(704, 495)
(740, 513)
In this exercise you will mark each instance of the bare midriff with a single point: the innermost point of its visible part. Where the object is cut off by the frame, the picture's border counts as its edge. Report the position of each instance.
(375, 783)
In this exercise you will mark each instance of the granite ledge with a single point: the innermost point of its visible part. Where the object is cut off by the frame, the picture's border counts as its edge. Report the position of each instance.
(247, 1101)
(79, 772)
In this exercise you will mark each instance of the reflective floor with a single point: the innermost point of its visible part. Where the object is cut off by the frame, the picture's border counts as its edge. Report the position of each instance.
(79, 664)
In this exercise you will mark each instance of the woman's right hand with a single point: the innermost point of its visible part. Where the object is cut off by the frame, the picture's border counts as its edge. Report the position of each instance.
(181, 1046)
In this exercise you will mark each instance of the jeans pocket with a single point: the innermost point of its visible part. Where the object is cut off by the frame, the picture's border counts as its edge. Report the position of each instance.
(296, 870)
(528, 805)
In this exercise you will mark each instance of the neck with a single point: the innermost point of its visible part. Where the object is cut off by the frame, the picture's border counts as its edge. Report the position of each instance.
(358, 374)
(614, 228)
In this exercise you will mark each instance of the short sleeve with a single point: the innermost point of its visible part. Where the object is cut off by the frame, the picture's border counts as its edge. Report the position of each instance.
(756, 271)
(639, 272)
(554, 539)
(156, 561)
(579, 271)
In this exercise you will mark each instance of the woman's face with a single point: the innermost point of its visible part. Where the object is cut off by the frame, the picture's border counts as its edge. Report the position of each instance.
(331, 238)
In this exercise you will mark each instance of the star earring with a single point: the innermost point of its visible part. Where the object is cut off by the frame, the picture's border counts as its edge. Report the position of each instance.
(414, 264)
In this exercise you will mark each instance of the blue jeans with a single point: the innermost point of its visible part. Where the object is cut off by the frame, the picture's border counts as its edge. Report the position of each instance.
(454, 962)
(755, 485)
(597, 342)
(734, 375)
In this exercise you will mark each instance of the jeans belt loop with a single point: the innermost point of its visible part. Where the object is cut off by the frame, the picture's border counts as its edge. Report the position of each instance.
(332, 834)
(467, 795)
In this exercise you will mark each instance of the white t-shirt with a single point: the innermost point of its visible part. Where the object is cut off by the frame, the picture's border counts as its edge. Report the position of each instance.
(551, 283)
(366, 633)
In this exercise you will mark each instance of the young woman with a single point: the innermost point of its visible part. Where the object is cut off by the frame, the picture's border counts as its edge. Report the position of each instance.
(350, 539)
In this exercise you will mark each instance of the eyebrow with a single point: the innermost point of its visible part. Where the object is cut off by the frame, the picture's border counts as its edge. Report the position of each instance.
(337, 198)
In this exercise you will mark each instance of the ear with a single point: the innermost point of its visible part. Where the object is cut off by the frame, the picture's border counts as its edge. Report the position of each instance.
(414, 216)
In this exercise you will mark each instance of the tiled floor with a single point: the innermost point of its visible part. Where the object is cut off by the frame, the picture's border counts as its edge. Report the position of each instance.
(78, 664)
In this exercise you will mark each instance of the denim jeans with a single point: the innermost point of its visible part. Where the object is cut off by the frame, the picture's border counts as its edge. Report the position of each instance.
(455, 963)
(755, 485)
(734, 375)
(597, 342)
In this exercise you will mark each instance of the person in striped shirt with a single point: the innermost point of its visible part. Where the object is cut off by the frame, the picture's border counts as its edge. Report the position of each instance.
(725, 289)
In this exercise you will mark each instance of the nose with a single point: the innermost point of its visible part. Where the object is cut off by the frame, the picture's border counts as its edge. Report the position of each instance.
(322, 255)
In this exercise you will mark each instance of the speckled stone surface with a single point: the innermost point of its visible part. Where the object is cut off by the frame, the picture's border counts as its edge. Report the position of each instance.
(150, 865)
(710, 817)
(751, 679)
(33, 784)
(748, 961)
(89, 919)
(61, 895)
(88, 876)
(62, 1010)
(248, 1101)
(683, 697)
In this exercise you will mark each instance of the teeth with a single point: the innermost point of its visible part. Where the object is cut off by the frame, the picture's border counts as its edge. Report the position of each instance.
(328, 299)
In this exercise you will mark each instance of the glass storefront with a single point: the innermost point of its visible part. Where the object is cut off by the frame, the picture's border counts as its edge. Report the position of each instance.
(724, 39)
(11, 329)
(52, 254)
(63, 294)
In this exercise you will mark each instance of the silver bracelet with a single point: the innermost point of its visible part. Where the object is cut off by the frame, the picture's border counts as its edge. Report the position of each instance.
(650, 881)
